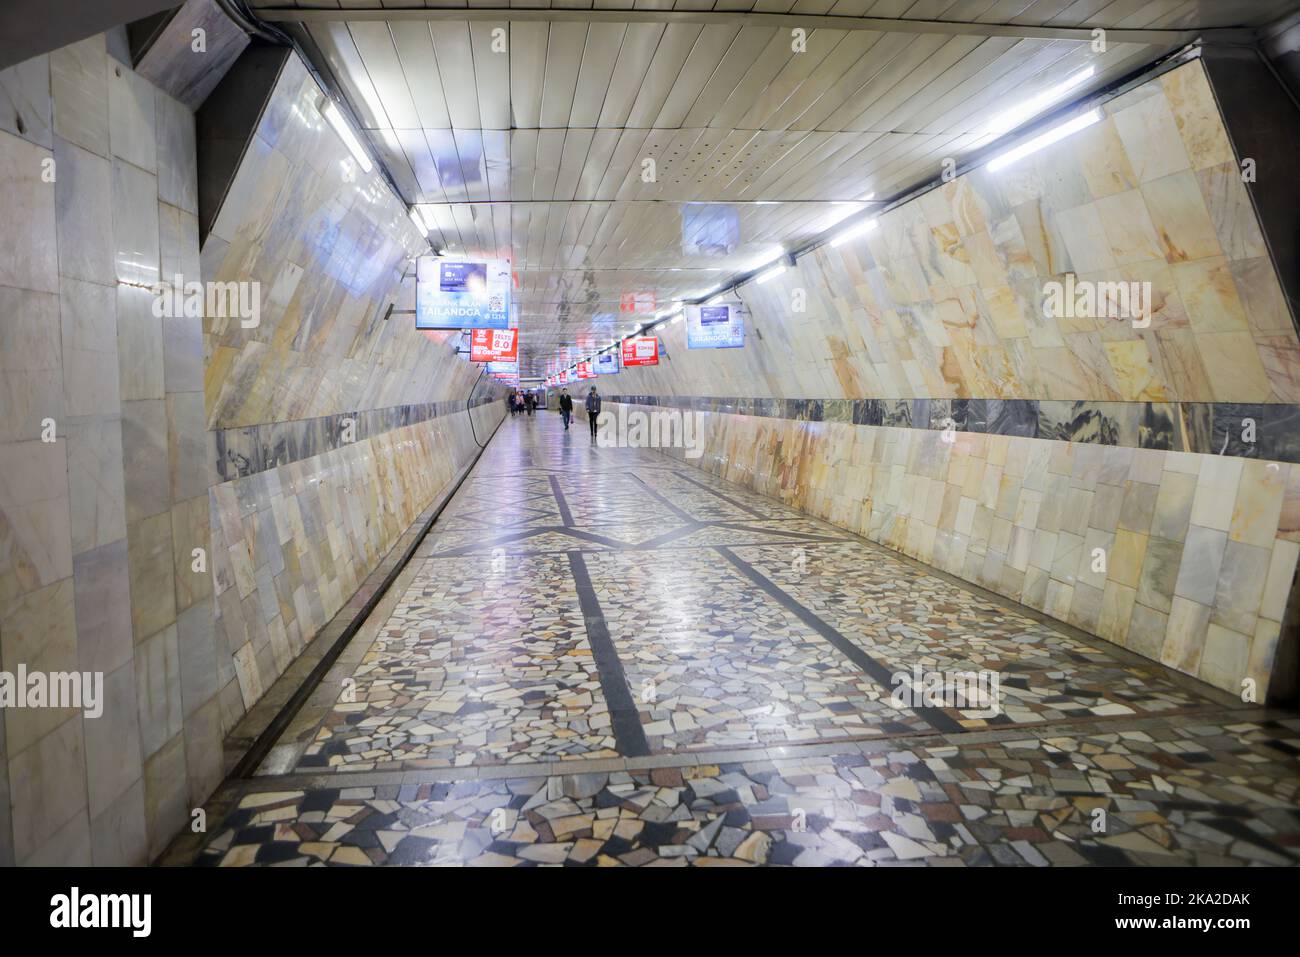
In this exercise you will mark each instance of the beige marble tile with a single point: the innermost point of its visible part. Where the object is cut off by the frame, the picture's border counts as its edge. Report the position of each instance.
(83, 195)
(117, 835)
(1223, 662)
(95, 485)
(145, 459)
(48, 786)
(177, 159)
(1199, 123)
(113, 742)
(1150, 138)
(153, 597)
(35, 535)
(1231, 211)
(31, 375)
(88, 320)
(1178, 212)
(38, 629)
(28, 257)
(158, 690)
(135, 225)
(166, 782)
(102, 582)
(132, 121)
(79, 82)
(25, 100)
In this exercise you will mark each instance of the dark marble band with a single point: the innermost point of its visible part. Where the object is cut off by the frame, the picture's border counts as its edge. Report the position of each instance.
(247, 450)
(1257, 431)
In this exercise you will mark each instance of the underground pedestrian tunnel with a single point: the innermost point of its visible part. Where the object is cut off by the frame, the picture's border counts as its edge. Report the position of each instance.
(940, 503)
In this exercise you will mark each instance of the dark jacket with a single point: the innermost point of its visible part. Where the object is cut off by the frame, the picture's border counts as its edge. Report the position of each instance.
(593, 403)
(566, 403)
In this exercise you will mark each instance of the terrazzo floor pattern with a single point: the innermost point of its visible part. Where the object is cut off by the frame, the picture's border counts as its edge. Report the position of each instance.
(598, 658)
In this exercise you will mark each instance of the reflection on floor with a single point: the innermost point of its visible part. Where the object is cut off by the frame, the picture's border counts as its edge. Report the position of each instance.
(602, 657)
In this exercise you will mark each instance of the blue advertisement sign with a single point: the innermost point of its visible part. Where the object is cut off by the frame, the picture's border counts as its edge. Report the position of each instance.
(605, 364)
(709, 229)
(715, 327)
(462, 294)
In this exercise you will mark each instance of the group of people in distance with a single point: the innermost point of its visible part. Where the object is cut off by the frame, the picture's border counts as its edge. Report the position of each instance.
(523, 402)
(527, 401)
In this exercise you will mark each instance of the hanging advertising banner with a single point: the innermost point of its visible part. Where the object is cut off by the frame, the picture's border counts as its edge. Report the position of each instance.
(637, 302)
(584, 371)
(493, 345)
(715, 327)
(641, 351)
(462, 294)
(605, 364)
(565, 378)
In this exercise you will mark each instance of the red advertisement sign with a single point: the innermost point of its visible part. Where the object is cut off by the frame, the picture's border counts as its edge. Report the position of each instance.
(641, 351)
(641, 302)
(494, 345)
(585, 371)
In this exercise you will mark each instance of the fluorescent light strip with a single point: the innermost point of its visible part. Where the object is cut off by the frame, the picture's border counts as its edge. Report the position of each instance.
(771, 274)
(1013, 117)
(853, 232)
(349, 138)
(1044, 140)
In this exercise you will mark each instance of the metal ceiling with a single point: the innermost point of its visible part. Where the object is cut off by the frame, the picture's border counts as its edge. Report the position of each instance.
(536, 152)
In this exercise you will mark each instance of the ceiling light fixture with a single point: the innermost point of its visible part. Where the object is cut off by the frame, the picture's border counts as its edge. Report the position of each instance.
(331, 112)
(1010, 119)
(1044, 140)
(771, 274)
(853, 232)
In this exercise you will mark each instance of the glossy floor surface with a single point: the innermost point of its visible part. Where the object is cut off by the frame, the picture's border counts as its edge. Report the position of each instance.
(602, 656)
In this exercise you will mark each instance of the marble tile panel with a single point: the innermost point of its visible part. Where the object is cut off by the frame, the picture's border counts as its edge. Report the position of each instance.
(132, 120)
(113, 742)
(79, 84)
(47, 784)
(25, 100)
(83, 197)
(136, 256)
(28, 257)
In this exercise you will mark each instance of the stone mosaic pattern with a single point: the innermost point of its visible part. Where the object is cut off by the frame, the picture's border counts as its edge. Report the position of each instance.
(944, 299)
(475, 664)
(1258, 431)
(1176, 793)
(901, 615)
(246, 451)
(1200, 550)
(97, 527)
(331, 247)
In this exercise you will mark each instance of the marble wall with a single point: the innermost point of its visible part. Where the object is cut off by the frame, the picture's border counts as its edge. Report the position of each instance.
(1074, 433)
(329, 246)
(97, 199)
(944, 299)
(333, 423)
(290, 454)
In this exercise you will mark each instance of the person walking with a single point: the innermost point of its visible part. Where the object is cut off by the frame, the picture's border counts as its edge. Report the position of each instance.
(566, 408)
(530, 402)
(593, 410)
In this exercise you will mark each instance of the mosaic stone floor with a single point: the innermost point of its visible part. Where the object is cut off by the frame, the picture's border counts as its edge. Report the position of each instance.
(599, 656)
